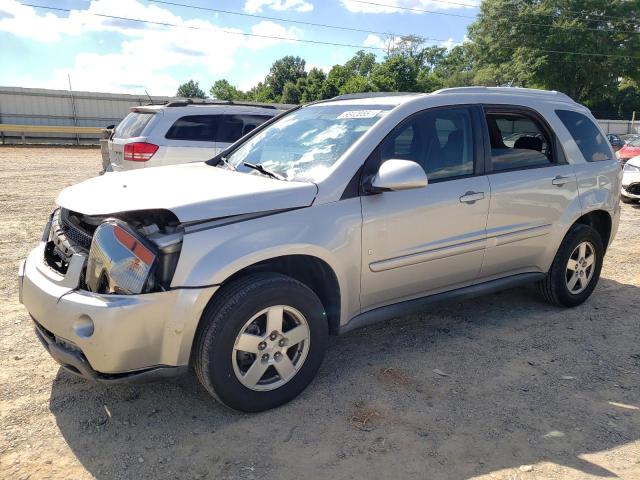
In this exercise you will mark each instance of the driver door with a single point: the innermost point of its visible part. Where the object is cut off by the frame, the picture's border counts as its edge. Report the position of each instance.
(422, 241)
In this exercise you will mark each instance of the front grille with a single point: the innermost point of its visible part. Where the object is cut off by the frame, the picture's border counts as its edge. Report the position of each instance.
(66, 239)
(74, 233)
(633, 189)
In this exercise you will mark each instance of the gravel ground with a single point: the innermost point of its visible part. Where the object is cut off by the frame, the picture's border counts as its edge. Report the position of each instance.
(503, 387)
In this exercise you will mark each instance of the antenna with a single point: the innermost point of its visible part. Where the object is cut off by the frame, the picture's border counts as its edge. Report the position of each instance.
(150, 99)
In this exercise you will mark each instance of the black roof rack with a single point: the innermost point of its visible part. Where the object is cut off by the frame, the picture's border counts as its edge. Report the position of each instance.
(356, 96)
(189, 101)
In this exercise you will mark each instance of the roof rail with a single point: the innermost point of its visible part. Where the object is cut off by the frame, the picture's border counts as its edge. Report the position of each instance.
(356, 96)
(188, 101)
(508, 90)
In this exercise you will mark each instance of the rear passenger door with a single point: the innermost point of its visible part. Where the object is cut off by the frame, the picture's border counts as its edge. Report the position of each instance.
(532, 188)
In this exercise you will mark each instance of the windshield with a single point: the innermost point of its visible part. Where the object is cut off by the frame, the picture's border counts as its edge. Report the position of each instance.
(634, 143)
(306, 143)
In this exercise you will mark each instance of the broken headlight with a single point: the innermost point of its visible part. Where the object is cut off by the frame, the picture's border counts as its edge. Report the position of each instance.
(120, 261)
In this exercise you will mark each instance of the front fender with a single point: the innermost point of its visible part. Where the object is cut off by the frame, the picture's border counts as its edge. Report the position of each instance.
(329, 232)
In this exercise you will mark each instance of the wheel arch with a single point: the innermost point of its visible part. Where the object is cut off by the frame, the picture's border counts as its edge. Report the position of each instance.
(310, 270)
(600, 221)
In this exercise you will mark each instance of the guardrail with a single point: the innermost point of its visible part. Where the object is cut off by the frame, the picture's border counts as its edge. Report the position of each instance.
(23, 130)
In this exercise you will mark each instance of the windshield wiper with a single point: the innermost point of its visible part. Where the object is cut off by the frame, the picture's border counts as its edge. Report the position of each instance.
(262, 170)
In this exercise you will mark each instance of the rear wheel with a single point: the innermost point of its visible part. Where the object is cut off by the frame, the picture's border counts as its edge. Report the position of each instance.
(628, 200)
(260, 342)
(575, 270)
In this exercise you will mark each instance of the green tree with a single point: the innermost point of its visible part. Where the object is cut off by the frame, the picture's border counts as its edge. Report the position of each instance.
(261, 93)
(223, 90)
(529, 44)
(456, 68)
(315, 87)
(361, 64)
(398, 73)
(291, 93)
(287, 69)
(190, 89)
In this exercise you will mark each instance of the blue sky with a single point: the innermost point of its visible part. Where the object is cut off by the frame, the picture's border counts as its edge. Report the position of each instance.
(39, 48)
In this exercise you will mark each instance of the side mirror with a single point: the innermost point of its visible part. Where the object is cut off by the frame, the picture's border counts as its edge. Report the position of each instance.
(398, 175)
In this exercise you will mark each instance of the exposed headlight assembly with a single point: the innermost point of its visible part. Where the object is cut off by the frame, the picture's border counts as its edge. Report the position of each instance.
(630, 168)
(120, 261)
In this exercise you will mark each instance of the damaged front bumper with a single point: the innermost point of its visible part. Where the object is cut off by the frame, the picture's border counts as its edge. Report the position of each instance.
(110, 337)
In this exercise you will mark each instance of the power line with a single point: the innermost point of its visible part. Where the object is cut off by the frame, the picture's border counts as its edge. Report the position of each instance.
(324, 25)
(477, 5)
(279, 19)
(219, 30)
(319, 42)
(458, 15)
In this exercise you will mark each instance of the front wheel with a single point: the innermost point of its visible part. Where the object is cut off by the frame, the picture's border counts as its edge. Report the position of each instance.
(576, 267)
(261, 341)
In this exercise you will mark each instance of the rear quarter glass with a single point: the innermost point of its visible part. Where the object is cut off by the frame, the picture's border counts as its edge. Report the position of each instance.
(132, 125)
(593, 144)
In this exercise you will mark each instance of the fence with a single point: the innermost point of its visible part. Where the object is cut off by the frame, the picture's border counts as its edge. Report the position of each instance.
(60, 108)
(620, 127)
(21, 107)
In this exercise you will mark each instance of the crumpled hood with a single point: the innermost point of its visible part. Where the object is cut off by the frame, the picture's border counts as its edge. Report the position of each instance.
(194, 191)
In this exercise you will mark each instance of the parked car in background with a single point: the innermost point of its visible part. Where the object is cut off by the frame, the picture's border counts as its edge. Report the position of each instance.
(630, 150)
(627, 137)
(616, 141)
(631, 181)
(183, 132)
(339, 214)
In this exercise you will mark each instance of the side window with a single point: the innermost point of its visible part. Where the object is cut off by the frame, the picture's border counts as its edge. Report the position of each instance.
(230, 129)
(439, 140)
(517, 141)
(592, 144)
(233, 127)
(201, 128)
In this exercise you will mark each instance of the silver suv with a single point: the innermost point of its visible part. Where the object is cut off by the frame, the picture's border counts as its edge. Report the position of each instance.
(339, 214)
(182, 132)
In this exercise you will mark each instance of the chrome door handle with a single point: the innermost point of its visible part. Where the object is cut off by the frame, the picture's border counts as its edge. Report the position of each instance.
(560, 180)
(471, 197)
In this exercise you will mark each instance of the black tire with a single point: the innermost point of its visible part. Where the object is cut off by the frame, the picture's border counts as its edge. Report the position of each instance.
(628, 200)
(554, 287)
(223, 320)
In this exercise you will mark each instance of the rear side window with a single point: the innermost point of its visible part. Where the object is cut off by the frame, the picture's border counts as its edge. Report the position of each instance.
(235, 126)
(203, 128)
(592, 144)
(132, 125)
(214, 128)
(517, 141)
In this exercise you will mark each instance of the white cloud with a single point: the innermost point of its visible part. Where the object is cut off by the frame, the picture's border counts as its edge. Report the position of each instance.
(375, 41)
(148, 50)
(254, 6)
(450, 43)
(271, 29)
(391, 6)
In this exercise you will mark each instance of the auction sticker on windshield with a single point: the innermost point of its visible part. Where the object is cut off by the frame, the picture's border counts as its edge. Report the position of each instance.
(358, 114)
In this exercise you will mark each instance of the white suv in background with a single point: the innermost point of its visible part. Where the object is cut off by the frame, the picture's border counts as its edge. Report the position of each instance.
(182, 132)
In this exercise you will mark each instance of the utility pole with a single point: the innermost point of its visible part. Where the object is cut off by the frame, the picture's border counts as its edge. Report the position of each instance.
(73, 106)
(633, 121)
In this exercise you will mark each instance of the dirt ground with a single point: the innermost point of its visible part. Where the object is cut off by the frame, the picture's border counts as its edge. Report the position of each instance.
(501, 387)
